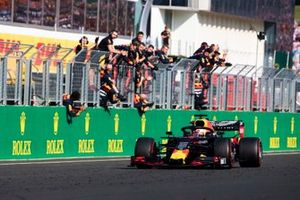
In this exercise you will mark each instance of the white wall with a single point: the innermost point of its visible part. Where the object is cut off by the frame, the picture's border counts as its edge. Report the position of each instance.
(185, 33)
(190, 28)
(233, 34)
(157, 25)
(54, 34)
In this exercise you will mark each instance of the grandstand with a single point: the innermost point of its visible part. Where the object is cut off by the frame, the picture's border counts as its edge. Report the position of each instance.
(38, 64)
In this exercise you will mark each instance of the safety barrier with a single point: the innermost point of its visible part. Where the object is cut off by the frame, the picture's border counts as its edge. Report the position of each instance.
(30, 76)
(29, 132)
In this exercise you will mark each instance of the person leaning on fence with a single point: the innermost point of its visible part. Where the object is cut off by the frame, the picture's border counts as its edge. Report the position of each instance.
(83, 44)
(201, 49)
(142, 66)
(200, 87)
(215, 60)
(142, 103)
(204, 59)
(108, 90)
(150, 51)
(73, 105)
(107, 44)
(163, 55)
(139, 38)
(138, 65)
(130, 60)
(142, 56)
(115, 55)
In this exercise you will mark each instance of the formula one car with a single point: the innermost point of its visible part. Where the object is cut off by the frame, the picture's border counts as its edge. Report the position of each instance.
(203, 144)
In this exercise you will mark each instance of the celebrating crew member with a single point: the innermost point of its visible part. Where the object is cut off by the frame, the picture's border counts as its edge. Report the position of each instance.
(83, 42)
(73, 105)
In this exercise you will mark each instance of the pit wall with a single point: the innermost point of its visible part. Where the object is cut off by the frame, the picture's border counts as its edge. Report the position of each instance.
(43, 132)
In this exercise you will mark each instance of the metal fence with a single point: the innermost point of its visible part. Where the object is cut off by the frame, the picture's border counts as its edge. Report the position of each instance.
(25, 80)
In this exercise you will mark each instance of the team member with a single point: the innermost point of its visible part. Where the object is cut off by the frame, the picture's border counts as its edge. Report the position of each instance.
(163, 55)
(108, 90)
(200, 91)
(107, 43)
(165, 35)
(139, 38)
(83, 42)
(73, 105)
(141, 103)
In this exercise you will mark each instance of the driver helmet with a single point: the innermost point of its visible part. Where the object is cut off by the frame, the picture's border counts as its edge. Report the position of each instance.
(200, 132)
(204, 123)
(203, 127)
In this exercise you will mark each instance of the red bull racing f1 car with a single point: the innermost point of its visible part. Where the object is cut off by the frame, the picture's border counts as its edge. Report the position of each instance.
(203, 144)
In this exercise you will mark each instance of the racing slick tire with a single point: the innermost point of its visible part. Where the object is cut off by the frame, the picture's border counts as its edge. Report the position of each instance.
(145, 147)
(250, 152)
(223, 149)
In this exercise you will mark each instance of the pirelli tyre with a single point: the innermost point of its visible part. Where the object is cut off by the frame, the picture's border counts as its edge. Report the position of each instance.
(250, 152)
(145, 147)
(223, 149)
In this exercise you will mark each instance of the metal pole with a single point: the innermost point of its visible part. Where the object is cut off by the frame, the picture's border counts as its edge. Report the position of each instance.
(256, 58)
(287, 60)
(18, 85)
(4, 81)
(68, 79)
(27, 87)
(169, 89)
(1, 77)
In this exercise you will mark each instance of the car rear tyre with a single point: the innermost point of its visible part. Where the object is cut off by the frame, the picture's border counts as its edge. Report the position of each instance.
(145, 147)
(223, 149)
(250, 152)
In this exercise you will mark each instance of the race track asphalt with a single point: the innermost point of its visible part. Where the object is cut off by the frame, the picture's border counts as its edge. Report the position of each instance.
(278, 178)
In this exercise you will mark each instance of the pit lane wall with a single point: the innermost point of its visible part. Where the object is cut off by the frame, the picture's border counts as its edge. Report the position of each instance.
(43, 132)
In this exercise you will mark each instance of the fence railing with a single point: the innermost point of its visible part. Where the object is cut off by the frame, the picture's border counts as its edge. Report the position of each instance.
(240, 87)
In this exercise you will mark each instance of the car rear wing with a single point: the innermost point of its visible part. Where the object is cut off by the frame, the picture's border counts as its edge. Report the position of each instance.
(234, 125)
(226, 125)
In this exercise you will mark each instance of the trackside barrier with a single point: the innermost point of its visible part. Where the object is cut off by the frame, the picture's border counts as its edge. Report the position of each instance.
(47, 75)
(41, 75)
(12, 64)
(29, 132)
(182, 83)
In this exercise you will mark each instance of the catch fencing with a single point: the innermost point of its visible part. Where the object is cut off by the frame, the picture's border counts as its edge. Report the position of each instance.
(41, 75)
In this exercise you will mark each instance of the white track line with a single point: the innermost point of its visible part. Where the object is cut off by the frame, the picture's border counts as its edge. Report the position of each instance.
(9, 163)
(281, 153)
(43, 162)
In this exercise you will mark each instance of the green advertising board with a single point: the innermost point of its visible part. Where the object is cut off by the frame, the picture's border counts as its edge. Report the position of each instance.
(44, 132)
